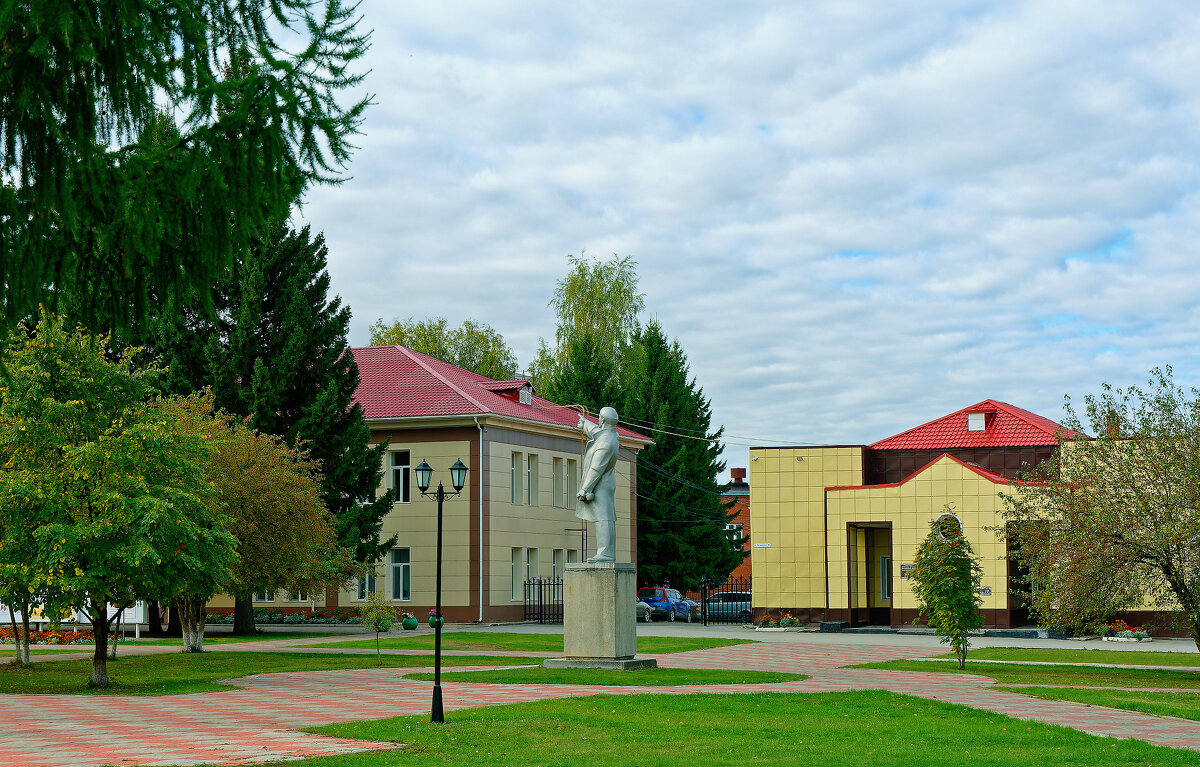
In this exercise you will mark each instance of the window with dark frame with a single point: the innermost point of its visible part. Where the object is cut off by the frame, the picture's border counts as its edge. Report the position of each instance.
(400, 476)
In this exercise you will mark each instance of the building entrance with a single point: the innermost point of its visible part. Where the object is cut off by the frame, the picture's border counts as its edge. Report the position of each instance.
(870, 573)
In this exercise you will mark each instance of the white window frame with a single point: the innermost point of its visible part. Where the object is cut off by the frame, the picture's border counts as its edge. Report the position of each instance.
(299, 595)
(516, 478)
(531, 480)
(532, 564)
(557, 562)
(401, 477)
(572, 484)
(365, 585)
(399, 571)
(558, 483)
(266, 595)
(518, 585)
(572, 556)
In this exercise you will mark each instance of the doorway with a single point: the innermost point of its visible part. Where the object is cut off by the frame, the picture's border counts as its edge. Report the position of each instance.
(870, 566)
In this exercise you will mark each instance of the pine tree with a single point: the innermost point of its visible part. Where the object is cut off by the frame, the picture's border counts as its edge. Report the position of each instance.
(587, 377)
(681, 518)
(277, 353)
(101, 200)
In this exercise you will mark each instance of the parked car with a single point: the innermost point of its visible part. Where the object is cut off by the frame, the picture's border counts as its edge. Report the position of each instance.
(664, 602)
(693, 609)
(732, 606)
(642, 611)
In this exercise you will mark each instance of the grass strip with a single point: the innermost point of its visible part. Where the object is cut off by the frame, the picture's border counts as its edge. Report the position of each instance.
(178, 673)
(42, 649)
(261, 636)
(1116, 657)
(871, 728)
(645, 676)
(487, 640)
(1185, 705)
(1079, 676)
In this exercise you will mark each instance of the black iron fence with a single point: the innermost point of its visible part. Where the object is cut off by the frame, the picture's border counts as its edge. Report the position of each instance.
(544, 600)
(725, 602)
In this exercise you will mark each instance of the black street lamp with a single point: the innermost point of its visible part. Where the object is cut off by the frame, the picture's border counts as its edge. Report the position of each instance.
(458, 478)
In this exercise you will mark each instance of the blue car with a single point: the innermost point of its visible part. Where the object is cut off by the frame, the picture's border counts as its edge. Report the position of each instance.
(668, 603)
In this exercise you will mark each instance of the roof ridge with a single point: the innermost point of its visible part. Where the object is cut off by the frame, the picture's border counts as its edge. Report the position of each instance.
(410, 354)
(927, 423)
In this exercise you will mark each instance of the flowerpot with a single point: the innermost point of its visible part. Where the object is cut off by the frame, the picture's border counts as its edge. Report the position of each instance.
(409, 624)
(436, 621)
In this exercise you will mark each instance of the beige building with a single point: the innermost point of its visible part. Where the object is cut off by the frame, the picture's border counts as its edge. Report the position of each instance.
(836, 528)
(514, 519)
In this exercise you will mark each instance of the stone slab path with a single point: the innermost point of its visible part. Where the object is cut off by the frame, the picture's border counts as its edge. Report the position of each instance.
(259, 721)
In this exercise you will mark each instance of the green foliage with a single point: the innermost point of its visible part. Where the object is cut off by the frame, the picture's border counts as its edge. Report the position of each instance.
(597, 299)
(116, 489)
(276, 353)
(103, 201)
(587, 377)
(1113, 523)
(946, 579)
(378, 615)
(474, 346)
(681, 518)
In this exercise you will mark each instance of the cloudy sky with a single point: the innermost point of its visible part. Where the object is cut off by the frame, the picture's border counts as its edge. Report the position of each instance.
(855, 216)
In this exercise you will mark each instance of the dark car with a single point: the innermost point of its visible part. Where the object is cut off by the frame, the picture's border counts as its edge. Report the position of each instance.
(665, 602)
(731, 606)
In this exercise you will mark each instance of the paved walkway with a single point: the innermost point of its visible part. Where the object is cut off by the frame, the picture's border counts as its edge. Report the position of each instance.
(259, 721)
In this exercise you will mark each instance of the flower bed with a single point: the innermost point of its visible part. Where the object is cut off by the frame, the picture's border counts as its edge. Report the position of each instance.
(1120, 631)
(785, 621)
(290, 616)
(50, 637)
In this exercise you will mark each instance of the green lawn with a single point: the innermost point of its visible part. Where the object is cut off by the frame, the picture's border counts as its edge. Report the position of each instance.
(486, 640)
(43, 649)
(1131, 658)
(1185, 705)
(262, 636)
(176, 673)
(868, 728)
(1079, 676)
(647, 676)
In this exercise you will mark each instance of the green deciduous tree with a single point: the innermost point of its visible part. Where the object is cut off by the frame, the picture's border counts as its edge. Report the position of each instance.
(271, 497)
(118, 491)
(1113, 523)
(596, 299)
(946, 580)
(473, 346)
(277, 354)
(100, 201)
(379, 616)
(681, 518)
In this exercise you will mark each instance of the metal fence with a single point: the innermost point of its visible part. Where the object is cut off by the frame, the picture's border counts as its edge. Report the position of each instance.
(726, 602)
(544, 600)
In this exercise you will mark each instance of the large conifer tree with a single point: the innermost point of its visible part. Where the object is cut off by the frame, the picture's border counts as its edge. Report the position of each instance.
(96, 204)
(278, 353)
(681, 518)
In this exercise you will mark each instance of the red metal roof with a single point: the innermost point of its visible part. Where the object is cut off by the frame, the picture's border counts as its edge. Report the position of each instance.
(1007, 426)
(397, 382)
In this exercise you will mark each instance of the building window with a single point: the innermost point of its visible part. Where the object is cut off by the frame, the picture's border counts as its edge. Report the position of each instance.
(532, 570)
(401, 575)
(297, 596)
(400, 464)
(572, 556)
(733, 531)
(366, 585)
(572, 483)
(517, 469)
(885, 577)
(518, 588)
(531, 480)
(557, 564)
(266, 595)
(558, 484)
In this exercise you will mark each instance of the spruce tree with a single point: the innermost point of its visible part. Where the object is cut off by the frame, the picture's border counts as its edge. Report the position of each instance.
(100, 205)
(587, 377)
(681, 518)
(277, 353)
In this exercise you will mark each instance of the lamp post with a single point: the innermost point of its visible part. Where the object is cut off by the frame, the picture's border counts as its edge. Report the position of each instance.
(458, 478)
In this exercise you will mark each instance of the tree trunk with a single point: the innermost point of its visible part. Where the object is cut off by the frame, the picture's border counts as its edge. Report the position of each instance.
(23, 648)
(12, 617)
(1196, 629)
(155, 620)
(191, 618)
(99, 618)
(243, 615)
(112, 654)
(174, 628)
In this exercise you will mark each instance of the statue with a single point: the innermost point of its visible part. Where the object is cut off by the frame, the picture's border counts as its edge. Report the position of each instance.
(595, 501)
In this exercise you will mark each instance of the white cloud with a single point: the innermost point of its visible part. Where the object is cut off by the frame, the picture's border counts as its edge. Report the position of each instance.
(855, 216)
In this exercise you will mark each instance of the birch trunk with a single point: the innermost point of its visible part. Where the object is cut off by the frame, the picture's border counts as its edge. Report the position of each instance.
(23, 648)
(191, 619)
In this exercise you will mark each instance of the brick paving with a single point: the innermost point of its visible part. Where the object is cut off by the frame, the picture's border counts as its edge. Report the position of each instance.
(258, 722)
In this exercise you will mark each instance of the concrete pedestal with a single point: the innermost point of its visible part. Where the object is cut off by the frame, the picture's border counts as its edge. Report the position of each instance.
(599, 625)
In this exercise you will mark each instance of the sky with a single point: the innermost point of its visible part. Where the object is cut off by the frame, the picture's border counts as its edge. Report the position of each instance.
(855, 217)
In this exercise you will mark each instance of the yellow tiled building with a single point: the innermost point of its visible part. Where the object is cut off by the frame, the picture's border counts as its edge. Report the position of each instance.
(836, 528)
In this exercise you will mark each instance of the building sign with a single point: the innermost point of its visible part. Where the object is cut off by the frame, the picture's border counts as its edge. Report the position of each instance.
(762, 545)
(906, 569)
